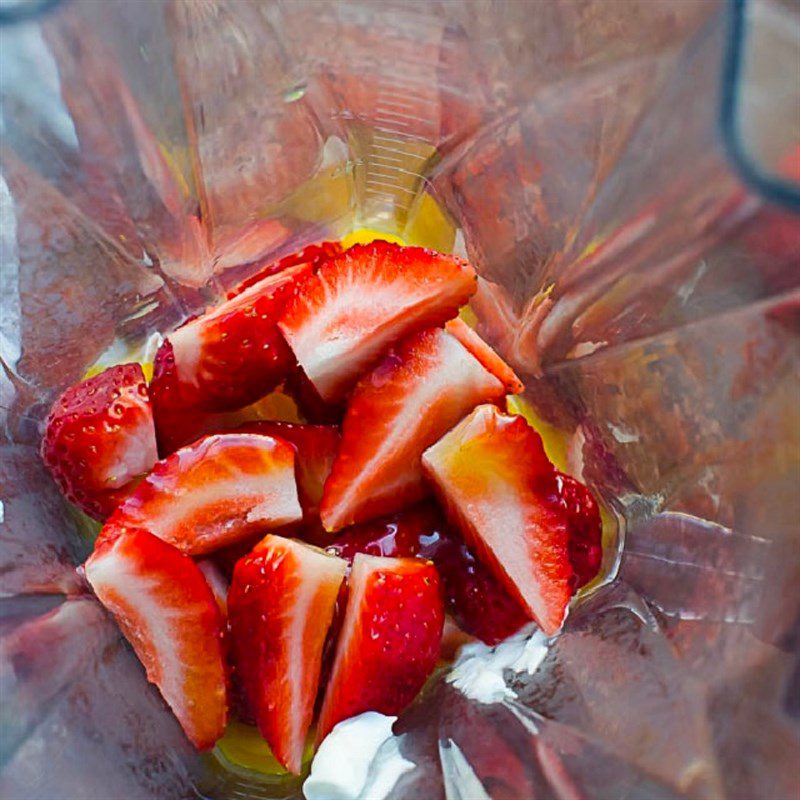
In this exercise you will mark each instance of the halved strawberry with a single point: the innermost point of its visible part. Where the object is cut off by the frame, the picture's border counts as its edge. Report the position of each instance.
(361, 302)
(100, 438)
(316, 447)
(281, 604)
(167, 612)
(478, 602)
(219, 490)
(492, 473)
(473, 342)
(230, 356)
(389, 641)
(416, 394)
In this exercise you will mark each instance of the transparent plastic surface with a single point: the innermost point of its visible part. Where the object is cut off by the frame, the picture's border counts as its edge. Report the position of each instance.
(155, 152)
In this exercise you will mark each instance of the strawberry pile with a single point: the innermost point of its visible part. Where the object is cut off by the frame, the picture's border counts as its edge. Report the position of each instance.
(286, 570)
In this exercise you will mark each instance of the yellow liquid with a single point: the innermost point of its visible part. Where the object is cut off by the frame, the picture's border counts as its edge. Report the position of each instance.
(243, 747)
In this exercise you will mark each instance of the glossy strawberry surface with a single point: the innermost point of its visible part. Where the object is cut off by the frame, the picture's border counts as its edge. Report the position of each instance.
(100, 439)
(216, 492)
(281, 604)
(165, 608)
(389, 641)
(423, 387)
(492, 475)
(361, 302)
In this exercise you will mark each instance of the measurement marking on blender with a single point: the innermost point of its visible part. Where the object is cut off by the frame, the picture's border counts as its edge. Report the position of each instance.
(422, 81)
(393, 187)
(393, 171)
(399, 143)
(380, 157)
(385, 114)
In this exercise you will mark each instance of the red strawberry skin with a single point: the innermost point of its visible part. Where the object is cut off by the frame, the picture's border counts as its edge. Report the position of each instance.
(218, 491)
(166, 610)
(177, 422)
(389, 641)
(281, 604)
(361, 302)
(311, 405)
(100, 438)
(313, 254)
(417, 393)
(492, 475)
(230, 356)
(476, 600)
(585, 527)
(316, 447)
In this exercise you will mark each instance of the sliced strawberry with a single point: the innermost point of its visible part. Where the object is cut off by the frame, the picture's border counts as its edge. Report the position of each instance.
(100, 438)
(177, 423)
(213, 493)
(230, 356)
(473, 342)
(416, 394)
(313, 254)
(227, 557)
(477, 601)
(491, 472)
(389, 641)
(167, 612)
(361, 302)
(585, 527)
(217, 582)
(281, 604)
(311, 405)
(316, 447)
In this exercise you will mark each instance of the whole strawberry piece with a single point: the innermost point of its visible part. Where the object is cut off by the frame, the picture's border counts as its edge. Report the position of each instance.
(100, 438)
(389, 641)
(281, 603)
(166, 610)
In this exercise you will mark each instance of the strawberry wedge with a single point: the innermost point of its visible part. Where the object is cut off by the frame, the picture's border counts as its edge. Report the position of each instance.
(493, 363)
(360, 303)
(316, 447)
(414, 396)
(477, 601)
(230, 356)
(100, 438)
(215, 492)
(389, 640)
(491, 473)
(281, 605)
(166, 610)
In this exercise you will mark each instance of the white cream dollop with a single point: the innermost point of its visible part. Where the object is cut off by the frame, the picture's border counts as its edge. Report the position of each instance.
(341, 766)
(478, 672)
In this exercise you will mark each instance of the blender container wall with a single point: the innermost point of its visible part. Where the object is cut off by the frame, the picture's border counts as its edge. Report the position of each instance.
(154, 153)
